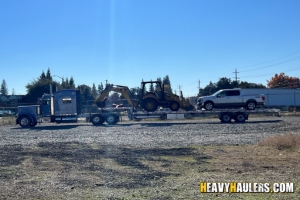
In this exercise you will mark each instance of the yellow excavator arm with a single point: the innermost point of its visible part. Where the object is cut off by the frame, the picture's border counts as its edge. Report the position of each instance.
(124, 90)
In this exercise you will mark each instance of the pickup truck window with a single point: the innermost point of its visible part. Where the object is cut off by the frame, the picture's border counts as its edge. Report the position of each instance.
(222, 94)
(233, 93)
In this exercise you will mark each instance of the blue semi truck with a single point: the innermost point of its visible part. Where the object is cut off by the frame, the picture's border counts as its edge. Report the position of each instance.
(63, 106)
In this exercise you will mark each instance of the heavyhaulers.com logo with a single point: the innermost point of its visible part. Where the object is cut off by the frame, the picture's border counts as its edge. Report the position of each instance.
(234, 187)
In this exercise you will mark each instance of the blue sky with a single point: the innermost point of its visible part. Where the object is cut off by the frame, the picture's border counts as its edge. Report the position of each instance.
(125, 41)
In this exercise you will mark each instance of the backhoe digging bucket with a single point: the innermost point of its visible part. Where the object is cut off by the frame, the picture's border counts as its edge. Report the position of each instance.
(102, 104)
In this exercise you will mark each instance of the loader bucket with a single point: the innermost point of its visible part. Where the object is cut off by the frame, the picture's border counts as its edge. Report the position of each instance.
(102, 104)
(189, 108)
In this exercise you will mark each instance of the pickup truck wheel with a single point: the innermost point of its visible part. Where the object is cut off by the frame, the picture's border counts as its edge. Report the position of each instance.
(251, 105)
(97, 119)
(112, 119)
(174, 106)
(240, 117)
(225, 118)
(209, 105)
(150, 105)
(24, 121)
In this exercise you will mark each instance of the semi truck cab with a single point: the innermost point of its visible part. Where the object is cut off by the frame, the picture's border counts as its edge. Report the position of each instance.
(62, 106)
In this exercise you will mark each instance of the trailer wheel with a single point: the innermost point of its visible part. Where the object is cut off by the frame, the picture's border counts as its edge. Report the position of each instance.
(174, 106)
(112, 119)
(251, 105)
(24, 121)
(225, 118)
(97, 119)
(240, 117)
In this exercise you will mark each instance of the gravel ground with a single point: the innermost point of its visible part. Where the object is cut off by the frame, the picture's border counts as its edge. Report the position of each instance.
(154, 133)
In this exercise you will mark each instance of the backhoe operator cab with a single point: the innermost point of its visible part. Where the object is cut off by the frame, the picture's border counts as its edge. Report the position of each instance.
(151, 100)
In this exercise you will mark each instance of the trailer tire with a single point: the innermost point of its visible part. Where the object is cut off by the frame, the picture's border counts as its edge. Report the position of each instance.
(174, 106)
(24, 121)
(251, 105)
(97, 119)
(208, 105)
(112, 119)
(33, 124)
(240, 117)
(150, 105)
(225, 118)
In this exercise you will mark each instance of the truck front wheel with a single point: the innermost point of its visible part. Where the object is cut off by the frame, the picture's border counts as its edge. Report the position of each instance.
(24, 121)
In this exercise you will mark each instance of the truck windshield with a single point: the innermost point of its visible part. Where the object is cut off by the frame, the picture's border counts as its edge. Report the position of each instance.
(215, 94)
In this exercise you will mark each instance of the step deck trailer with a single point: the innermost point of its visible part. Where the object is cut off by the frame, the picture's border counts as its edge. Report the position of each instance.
(225, 115)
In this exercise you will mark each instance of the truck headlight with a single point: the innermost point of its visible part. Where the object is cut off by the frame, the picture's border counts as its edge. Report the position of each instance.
(200, 100)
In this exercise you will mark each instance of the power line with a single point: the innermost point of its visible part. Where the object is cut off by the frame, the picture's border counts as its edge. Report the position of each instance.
(288, 70)
(271, 60)
(292, 59)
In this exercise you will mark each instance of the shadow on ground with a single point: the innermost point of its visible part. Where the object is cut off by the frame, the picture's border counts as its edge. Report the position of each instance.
(117, 167)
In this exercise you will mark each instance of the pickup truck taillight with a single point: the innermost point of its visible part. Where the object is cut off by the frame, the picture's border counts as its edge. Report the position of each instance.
(263, 98)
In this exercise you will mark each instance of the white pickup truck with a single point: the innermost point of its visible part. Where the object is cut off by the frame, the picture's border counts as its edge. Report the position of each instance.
(231, 98)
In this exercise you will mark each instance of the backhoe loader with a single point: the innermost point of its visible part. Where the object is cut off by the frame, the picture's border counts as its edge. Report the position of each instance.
(150, 100)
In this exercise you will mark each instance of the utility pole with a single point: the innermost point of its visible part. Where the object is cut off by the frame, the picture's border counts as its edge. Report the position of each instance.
(199, 86)
(236, 78)
(106, 82)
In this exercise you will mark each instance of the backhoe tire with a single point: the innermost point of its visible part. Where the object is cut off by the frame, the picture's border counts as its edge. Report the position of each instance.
(25, 121)
(208, 105)
(97, 119)
(174, 106)
(112, 119)
(150, 105)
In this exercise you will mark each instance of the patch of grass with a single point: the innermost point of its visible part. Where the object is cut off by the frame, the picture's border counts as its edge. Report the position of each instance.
(280, 142)
(89, 171)
(7, 120)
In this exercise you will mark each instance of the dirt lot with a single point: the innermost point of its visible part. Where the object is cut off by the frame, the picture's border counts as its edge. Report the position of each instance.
(144, 160)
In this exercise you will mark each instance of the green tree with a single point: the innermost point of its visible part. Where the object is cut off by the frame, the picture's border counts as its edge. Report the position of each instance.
(48, 75)
(3, 89)
(151, 88)
(224, 83)
(208, 90)
(167, 83)
(157, 86)
(145, 89)
(43, 76)
(100, 88)
(245, 84)
(36, 88)
(85, 91)
(72, 83)
(94, 91)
